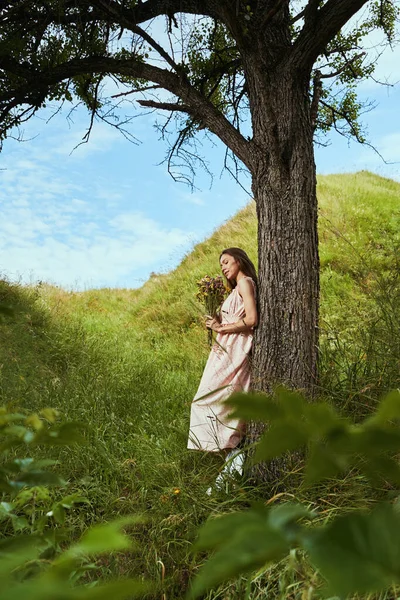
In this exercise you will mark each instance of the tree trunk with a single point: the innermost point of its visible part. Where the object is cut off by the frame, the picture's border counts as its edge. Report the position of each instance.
(284, 188)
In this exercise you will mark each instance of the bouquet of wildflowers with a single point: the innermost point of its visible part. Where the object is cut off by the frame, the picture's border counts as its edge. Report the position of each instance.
(211, 292)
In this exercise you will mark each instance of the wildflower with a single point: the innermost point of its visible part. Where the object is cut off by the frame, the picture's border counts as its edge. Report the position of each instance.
(176, 491)
(211, 292)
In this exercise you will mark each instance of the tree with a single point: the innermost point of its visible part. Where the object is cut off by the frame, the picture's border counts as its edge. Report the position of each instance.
(290, 66)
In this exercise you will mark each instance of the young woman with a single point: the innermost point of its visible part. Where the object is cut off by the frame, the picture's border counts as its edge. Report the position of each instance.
(228, 368)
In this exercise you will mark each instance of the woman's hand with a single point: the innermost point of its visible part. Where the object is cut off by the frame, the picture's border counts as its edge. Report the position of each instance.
(212, 323)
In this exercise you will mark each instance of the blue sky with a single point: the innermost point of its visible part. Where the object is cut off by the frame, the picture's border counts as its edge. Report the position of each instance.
(107, 214)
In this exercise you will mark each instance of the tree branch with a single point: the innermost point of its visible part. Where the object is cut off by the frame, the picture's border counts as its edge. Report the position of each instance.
(319, 30)
(120, 16)
(297, 17)
(172, 106)
(144, 35)
(338, 114)
(145, 11)
(22, 13)
(129, 18)
(136, 91)
(343, 67)
(37, 85)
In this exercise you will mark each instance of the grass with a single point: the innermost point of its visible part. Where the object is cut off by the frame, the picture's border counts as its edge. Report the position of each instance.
(128, 362)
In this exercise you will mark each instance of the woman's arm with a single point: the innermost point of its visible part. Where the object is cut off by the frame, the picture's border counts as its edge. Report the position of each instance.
(246, 290)
(250, 320)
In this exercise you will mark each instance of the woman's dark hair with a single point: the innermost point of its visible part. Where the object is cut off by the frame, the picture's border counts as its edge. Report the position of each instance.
(245, 264)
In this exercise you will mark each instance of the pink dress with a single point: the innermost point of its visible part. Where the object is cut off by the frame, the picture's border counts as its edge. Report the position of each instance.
(227, 371)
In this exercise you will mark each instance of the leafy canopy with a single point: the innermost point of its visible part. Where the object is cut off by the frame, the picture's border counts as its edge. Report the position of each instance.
(194, 59)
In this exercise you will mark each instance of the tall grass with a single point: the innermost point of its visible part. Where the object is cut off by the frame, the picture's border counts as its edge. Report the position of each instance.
(128, 363)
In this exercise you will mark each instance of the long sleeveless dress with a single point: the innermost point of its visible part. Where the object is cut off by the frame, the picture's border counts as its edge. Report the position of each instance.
(227, 371)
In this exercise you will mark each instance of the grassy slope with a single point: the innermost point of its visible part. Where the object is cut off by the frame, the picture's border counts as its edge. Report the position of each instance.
(128, 362)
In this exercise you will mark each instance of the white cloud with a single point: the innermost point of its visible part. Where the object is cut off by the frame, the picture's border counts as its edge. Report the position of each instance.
(79, 261)
(54, 229)
(102, 138)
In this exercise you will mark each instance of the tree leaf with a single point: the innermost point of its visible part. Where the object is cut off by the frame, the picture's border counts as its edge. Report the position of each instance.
(19, 523)
(217, 530)
(254, 407)
(358, 552)
(372, 440)
(58, 513)
(36, 589)
(19, 431)
(322, 419)
(248, 547)
(388, 409)
(322, 463)
(6, 508)
(293, 403)
(69, 501)
(381, 468)
(9, 417)
(281, 437)
(106, 537)
(34, 478)
(63, 435)
(245, 541)
(15, 551)
(34, 421)
(18, 464)
(44, 462)
(285, 514)
(50, 414)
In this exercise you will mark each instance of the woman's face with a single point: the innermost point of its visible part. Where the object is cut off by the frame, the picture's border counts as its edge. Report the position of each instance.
(229, 266)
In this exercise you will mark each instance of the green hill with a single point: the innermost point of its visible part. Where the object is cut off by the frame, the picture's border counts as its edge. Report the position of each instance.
(127, 362)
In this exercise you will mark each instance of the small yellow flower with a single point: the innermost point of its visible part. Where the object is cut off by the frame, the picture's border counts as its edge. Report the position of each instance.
(176, 491)
(34, 422)
(50, 414)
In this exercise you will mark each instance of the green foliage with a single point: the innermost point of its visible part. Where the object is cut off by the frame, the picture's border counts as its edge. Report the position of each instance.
(210, 46)
(354, 553)
(58, 578)
(19, 430)
(358, 552)
(25, 568)
(245, 542)
(342, 113)
(339, 107)
(334, 443)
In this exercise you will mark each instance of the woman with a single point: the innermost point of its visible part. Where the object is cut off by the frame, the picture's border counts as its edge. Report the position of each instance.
(228, 368)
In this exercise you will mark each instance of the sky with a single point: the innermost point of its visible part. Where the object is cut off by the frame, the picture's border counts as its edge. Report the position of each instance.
(107, 213)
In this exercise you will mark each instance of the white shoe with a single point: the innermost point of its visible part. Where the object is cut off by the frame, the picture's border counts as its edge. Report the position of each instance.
(234, 462)
(219, 484)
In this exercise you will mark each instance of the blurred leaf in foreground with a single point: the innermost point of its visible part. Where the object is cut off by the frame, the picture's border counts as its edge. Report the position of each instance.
(246, 541)
(335, 444)
(358, 552)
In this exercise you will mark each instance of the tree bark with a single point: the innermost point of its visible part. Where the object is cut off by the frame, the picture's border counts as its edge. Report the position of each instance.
(285, 194)
(284, 188)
